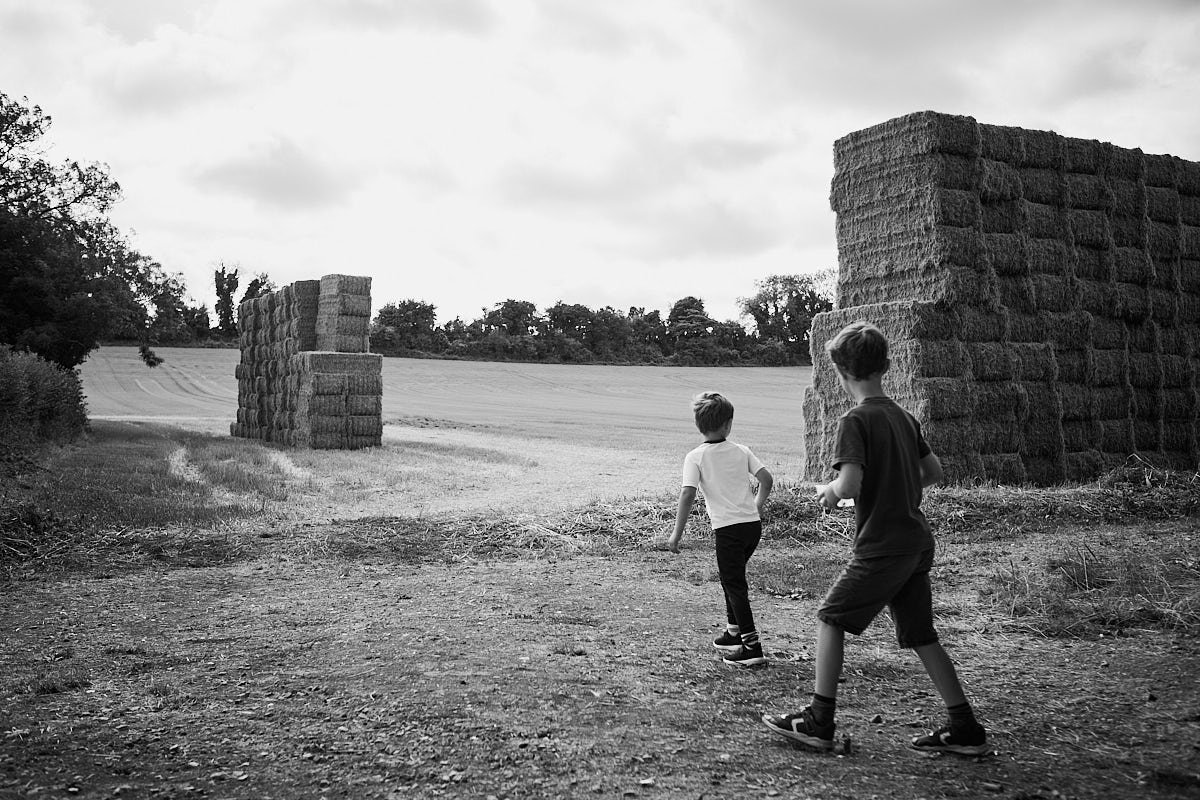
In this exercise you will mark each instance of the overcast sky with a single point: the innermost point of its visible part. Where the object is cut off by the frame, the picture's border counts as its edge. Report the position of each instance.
(604, 152)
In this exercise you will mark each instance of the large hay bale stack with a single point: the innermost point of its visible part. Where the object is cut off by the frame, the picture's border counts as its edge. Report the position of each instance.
(305, 377)
(1041, 295)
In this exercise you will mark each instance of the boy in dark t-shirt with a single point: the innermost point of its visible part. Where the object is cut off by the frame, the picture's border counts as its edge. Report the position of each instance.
(883, 464)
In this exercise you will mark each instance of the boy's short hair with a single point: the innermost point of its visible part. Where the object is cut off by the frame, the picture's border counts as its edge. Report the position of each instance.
(712, 411)
(860, 349)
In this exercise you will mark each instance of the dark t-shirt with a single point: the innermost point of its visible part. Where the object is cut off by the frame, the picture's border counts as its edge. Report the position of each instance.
(886, 440)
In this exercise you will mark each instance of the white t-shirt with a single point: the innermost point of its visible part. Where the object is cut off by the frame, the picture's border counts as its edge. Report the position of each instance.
(720, 470)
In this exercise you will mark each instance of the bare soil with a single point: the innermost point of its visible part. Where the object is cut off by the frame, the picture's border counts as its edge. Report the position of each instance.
(528, 675)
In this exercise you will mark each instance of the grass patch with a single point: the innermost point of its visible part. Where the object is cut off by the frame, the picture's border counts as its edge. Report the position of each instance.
(1105, 586)
(231, 464)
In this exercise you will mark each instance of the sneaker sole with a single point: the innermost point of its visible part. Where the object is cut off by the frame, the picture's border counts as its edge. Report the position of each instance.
(957, 749)
(727, 648)
(749, 662)
(809, 741)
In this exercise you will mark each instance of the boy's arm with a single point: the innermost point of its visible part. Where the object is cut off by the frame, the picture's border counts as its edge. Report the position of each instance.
(845, 486)
(931, 471)
(687, 496)
(765, 481)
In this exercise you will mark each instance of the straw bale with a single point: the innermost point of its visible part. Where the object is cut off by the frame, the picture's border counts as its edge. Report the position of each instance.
(344, 343)
(1075, 366)
(1162, 239)
(1129, 197)
(1189, 240)
(1179, 404)
(1147, 434)
(1164, 305)
(364, 384)
(1145, 338)
(1024, 328)
(1043, 221)
(997, 400)
(1002, 143)
(1048, 256)
(972, 324)
(343, 325)
(1162, 205)
(921, 133)
(247, 416)
(1084, 156)
(1039, 185)
(1177, 340)
(1080, 433)
(1044, 471)
(305, 290)
(1044, 149)
(326, 405)
(1034, 361)
(1147, 403)
(959, 209)
(1133, 302)
(1162, 171)
(345, 284)
(1017, 293)
(364, 404)
(931, 398)
(328, 423)
(1096, 298)
(328, 440)
(1110, 367)
(1189, 309)
(1069, 330)
(998, 181)
(1187, 177)
(318, 383)
(903, 320)
(1116, 435)
(341, 305)
(1003, 468)
(1084, 465)
(961, 467)
(1145, 370)
(1089, 192)
(362, 442)
(347, 363)
(364, 425)
(991, 361)
(1179, 438)
(1006, 252)
(1189, 210)
(1054, 292)
(1003, 217)
(1128, 232)
(1089, 228)
(1121, 162)
(1109, 333)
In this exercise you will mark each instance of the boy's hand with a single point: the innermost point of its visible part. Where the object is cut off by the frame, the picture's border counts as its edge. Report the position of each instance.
(826, 498)
(673, 542)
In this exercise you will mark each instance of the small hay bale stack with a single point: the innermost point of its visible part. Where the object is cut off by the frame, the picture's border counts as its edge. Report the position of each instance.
(1041, 295)
(293, 392)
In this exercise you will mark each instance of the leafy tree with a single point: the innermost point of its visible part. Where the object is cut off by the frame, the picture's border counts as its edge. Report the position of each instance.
(408, 325)
(225, 278)
(783, 309)
(512, 317)
(258, 286)
(68, 278)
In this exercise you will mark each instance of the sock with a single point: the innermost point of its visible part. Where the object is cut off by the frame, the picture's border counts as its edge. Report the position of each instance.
(823, 708)
(732, 630)
(749, 638)
(962, 717)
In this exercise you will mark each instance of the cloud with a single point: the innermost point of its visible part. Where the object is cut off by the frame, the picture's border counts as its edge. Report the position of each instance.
(472, 17)
(279, 175)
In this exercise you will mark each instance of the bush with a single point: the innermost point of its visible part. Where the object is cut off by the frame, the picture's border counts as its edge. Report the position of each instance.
(40, 402)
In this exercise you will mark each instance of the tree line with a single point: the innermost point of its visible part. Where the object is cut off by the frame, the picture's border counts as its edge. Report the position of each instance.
(69, 279)
(782, 309)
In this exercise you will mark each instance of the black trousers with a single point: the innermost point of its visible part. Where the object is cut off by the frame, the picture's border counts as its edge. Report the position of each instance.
(735, 545)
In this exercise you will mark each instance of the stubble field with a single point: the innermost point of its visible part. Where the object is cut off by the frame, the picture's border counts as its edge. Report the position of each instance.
(479, 609)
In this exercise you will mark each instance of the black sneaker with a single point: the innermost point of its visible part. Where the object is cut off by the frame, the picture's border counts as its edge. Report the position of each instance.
(728, 642)
(803, 727)
(747, 657)
(965, 741)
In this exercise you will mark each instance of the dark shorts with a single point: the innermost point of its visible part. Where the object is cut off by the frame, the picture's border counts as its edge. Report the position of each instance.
(867, 585)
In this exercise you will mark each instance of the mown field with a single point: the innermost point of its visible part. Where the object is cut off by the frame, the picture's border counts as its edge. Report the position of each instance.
(480, 607)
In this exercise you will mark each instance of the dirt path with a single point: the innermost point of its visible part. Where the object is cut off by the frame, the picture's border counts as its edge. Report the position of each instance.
(530, 678)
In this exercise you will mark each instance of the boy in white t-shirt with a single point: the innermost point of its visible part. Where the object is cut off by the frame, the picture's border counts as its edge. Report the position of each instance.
(721, 470)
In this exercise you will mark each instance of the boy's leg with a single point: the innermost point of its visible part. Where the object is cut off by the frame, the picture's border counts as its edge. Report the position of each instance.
(733, 542)
(813, 725)
(941, 671)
